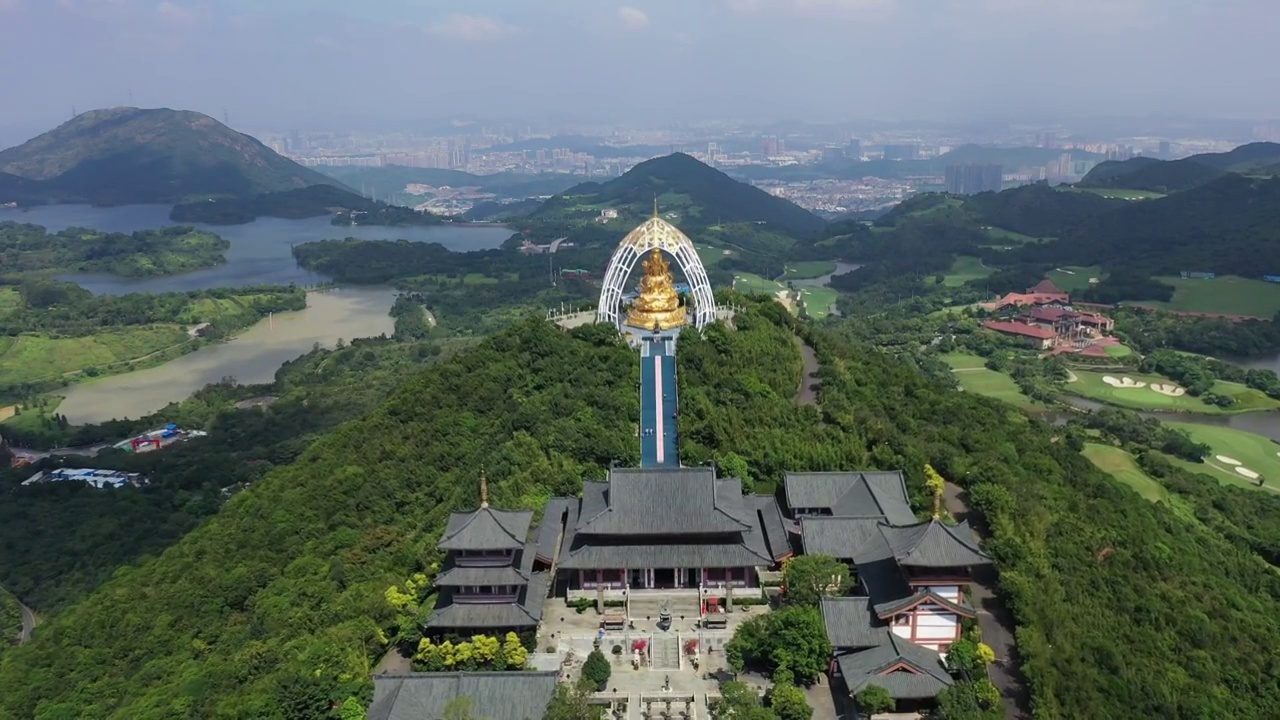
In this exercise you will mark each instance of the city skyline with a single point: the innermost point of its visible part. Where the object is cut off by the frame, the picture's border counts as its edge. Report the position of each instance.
(331, 63)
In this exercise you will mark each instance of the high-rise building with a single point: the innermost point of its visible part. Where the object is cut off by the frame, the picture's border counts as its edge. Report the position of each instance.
(904, 151)
(970, 179)
(771, 145)
(853, 150)
(1165, 151)
(832, 152)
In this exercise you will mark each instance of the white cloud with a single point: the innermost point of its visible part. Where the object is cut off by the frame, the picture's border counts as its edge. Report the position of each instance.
(633, 18)
(827, 8)
(473, 28)
(176, 14)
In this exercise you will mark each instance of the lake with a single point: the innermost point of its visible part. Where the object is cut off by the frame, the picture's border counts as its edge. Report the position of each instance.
(251, 357)
(260, 252)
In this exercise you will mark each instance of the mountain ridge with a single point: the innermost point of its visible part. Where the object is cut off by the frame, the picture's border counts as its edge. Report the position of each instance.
(700, 194)
(126, 155)
(1169, 176)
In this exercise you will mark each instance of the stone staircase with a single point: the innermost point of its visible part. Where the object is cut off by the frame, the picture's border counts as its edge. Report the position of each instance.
(664, 651)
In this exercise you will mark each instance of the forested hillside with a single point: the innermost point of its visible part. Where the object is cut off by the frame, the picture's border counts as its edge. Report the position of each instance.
(275, 606)
(1170, 176)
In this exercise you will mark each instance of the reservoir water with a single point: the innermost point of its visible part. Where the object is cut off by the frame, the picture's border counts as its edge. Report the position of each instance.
(251, 357)
(260, 251)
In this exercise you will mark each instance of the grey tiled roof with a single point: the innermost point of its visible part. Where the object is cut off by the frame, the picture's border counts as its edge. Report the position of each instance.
(463, 576)
(889, 609)
(494, 695)
(769, 515)
(854, 493)
(680, 501)
(647, 555)
(553, 521)
(840, 537)
(486, 529)
(934, 544)
(525, 612)
(850, 623)
(926, 677)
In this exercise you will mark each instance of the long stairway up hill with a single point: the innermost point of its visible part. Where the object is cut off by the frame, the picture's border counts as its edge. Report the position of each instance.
(658, 404)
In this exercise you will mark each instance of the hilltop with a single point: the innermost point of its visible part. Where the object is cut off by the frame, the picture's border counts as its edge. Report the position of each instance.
(1169, 176)
(699, 194)
(347, 207)
(389, 181)
(130, 155)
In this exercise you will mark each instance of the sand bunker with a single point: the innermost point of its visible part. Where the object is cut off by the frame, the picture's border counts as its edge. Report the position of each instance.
(1124, 382)
(1170, 390)
(1227, 459)
(1247, 473)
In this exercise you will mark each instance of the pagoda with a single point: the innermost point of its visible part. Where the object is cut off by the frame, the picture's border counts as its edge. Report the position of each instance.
(488, 583)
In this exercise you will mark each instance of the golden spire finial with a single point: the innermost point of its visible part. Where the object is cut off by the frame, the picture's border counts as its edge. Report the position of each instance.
(484, 489)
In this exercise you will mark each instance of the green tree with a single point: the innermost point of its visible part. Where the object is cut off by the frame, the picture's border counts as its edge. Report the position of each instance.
(514, 654)
(597, 669)
(571, 702)
(873, 699)
(808, 578)
(738, 701)
(460, 708)
(793, 638)
(788, 702)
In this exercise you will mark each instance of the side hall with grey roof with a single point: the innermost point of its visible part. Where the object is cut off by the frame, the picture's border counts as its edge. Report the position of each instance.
(849, 493)
(493, 695)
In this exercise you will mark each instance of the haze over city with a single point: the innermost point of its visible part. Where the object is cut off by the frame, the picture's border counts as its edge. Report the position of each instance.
(341, 64)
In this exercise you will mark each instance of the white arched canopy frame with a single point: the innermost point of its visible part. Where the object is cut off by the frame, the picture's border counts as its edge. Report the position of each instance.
(660, 234)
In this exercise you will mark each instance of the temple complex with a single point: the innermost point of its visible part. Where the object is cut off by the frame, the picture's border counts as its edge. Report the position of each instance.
(912, 578)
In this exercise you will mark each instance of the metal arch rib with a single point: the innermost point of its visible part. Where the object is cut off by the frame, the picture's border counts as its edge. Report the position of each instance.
(656, 233)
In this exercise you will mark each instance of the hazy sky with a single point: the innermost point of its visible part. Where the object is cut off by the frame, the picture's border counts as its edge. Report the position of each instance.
(336, 63)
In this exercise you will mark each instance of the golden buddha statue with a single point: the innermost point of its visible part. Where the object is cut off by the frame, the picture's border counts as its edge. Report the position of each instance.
(658, 306)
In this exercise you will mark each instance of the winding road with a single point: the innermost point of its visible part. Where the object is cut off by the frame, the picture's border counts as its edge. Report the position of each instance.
(994, 620)
(29, 621)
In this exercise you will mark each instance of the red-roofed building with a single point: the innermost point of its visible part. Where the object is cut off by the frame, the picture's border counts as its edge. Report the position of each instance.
(1046, 287)
(1035, 335)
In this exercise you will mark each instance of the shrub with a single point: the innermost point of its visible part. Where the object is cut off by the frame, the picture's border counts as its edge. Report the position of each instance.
(596, 669)
(873, 699)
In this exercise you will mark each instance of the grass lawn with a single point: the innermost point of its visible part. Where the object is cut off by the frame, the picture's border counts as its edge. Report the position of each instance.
(34, 358)
(1090, 385)
(1118, 351)
(1124, 193)
(807, 269)
(1227, 294)
(964, 269)
(817, 300)
(1073, 278)
(1119, 464)
(752, 283)
(711, 255)
(1002, 237)
(977, 379)
(10, 300)
(963, 361)
(1254, 452)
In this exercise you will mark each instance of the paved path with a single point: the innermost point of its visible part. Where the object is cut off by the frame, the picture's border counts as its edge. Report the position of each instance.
(994, 620)
(806, 394)
(29, 621)
(658, 401)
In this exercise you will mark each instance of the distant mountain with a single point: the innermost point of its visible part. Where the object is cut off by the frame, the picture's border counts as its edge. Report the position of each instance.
(388, 182)
(347, 207)
(1230, 225)
(701, 195)
(130, 155)
(1178, 175)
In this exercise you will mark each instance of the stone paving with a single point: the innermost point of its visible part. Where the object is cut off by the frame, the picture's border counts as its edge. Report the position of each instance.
(572, 635)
